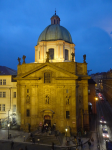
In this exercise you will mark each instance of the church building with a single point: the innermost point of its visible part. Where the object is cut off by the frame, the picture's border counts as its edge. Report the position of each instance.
(53, 89)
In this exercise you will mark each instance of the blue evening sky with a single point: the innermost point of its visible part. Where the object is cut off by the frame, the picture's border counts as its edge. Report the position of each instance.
(88, 21)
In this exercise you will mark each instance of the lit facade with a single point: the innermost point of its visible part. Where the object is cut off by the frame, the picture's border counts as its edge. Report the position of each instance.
(53, 89)
(107, 86)
(8, 94)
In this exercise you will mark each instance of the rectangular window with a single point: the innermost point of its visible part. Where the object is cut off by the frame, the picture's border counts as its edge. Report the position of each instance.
(27, 90)
(4, 81)
(67, 114)
(4, 94)
(14, 94)
(14, 108)
(0, 81)
(27, 112)
(3, 107)
(66, 54)
(0, 94)
(47, 77)
(89, 92)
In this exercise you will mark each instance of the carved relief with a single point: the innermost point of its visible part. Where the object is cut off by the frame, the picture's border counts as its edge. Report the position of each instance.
(67, 100)
(47, 99)
(27, 99)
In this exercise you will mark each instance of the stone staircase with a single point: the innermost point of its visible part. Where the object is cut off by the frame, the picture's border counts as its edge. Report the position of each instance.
(45, 138)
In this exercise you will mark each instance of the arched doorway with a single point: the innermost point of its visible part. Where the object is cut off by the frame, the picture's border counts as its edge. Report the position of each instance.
(47, 120)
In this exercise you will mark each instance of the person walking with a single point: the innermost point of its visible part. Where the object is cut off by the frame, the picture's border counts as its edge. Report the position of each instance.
(26, 148)
(79, 140)
(12, 145)
(33, 139)
(52, 146)
(89, 143)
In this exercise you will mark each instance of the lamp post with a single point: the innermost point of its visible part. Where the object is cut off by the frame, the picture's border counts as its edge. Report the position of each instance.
(66, 133)
(96, 98)
(8, 124)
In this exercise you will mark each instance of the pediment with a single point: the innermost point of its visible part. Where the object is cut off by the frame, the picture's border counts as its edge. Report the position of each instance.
(57, 72)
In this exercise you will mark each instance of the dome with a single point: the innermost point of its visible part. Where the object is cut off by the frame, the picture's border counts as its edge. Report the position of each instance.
(55, 32)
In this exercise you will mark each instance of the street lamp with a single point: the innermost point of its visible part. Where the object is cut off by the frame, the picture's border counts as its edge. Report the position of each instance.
(96, 98)
(66, 133)
(8, 129)
(8, 124)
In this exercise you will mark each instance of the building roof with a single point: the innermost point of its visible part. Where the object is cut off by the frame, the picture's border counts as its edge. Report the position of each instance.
(55, 32)
(91, 81)
(7, 71)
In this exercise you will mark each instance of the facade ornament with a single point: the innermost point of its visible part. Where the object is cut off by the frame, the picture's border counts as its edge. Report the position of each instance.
(19, 61)
(84, 58)
(73, 55)
(47, 59)
(27, 99)
(47, 99)
(67, 100)
(23, 59)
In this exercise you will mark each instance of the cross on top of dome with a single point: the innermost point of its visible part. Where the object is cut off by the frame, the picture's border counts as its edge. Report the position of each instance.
(55, 19)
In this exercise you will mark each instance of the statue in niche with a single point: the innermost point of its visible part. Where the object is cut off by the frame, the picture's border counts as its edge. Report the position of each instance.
(84, 58)
(73, 55)
(47, 99)
(67, 100)
(27, 99)
(23, 59)
(47, 59)
(19, 61)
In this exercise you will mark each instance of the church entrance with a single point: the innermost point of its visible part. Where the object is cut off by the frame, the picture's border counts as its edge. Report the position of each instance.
(47, 120)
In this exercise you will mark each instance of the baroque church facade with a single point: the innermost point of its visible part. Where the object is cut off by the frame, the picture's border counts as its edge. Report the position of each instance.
(53, 89)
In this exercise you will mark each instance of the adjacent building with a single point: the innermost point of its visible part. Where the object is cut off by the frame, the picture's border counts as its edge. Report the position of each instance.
(53, 89)
(107, 86)
(92, 96)
(8, 94)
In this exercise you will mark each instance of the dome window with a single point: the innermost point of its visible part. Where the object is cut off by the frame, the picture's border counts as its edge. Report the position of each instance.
(51, 53)
(66, 54)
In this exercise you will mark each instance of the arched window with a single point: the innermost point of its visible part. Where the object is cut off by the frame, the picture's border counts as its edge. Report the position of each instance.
(57, 21)
(51, 53)
(54, 21)
(66, 54)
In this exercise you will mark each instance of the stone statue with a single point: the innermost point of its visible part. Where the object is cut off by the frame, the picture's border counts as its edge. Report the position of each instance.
(73, 55)
(19, 61)
(84, 58)
(47, 59)
(47, 99)
(23, 59)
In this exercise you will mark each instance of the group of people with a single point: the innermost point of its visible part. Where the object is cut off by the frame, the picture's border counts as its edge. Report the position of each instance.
(47, 127)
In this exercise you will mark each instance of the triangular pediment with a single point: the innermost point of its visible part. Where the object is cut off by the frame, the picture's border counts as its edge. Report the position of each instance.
(47, 67)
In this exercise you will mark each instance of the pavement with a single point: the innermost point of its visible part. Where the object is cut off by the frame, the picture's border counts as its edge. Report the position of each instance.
(20, 139)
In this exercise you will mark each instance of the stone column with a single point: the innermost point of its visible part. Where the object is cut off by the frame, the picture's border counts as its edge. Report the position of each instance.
(85, 105)
(58, 51)
(61, 51)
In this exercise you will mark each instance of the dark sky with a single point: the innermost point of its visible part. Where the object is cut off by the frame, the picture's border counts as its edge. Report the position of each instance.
(88, 21)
